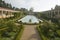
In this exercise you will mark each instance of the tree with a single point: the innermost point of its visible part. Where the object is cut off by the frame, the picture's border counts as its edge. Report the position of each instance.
(57, 7)
(31, 9)
(24, 11)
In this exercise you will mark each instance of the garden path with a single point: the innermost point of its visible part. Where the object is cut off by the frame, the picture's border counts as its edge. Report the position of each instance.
(30, 33)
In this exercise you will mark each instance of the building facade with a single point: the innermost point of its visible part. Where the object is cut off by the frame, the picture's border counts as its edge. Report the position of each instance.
(53, 13)
(6, 13)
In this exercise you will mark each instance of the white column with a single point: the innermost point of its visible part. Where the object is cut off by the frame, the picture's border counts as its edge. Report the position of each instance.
(2, 13)
(10, 13)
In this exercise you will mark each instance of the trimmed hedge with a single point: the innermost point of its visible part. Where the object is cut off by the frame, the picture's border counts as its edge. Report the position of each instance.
(41, 35)
(18, 35)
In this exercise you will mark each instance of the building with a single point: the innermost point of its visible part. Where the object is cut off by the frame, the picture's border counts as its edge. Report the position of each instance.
(6, 13)
(53, 13)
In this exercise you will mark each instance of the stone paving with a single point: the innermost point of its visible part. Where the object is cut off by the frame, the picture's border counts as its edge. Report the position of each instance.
(30, 33)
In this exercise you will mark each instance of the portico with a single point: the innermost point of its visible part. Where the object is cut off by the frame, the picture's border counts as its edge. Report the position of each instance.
(54, 13)
(6, 13)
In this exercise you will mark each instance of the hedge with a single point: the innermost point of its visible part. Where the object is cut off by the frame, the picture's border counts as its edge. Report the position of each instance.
(19, 34)
(41, 35)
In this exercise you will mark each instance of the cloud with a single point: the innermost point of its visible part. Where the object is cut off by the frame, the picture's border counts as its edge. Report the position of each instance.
(38, 5)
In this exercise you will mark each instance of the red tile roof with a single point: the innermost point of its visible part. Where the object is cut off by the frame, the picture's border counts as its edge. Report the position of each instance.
(5, 9)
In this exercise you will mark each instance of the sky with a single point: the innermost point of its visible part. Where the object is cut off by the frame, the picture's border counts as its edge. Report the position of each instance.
(37, 5)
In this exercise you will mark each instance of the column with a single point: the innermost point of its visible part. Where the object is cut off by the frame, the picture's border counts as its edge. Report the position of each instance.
(2, 14)
(58, 12)
(51, 14)
(54, 14)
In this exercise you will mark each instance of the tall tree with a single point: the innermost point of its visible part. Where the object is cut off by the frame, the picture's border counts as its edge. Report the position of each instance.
(0, 3)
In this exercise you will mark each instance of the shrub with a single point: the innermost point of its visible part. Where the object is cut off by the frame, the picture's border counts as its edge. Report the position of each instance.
(49, 29)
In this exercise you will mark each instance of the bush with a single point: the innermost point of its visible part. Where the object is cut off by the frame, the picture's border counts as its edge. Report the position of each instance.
(11, 25)
(49, 30)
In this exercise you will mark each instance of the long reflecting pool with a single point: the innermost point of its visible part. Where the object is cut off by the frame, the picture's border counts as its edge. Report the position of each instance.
(29, 19)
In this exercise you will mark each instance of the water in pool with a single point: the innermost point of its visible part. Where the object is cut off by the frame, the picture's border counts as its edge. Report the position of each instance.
(29, 19)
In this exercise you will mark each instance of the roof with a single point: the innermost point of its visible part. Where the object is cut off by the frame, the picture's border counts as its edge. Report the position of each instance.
(5, 9)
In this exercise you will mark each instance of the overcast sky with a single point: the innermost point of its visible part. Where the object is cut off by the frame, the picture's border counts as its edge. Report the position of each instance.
(38, 5)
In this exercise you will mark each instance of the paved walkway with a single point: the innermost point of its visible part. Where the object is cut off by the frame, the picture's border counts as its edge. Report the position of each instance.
(30, 33)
